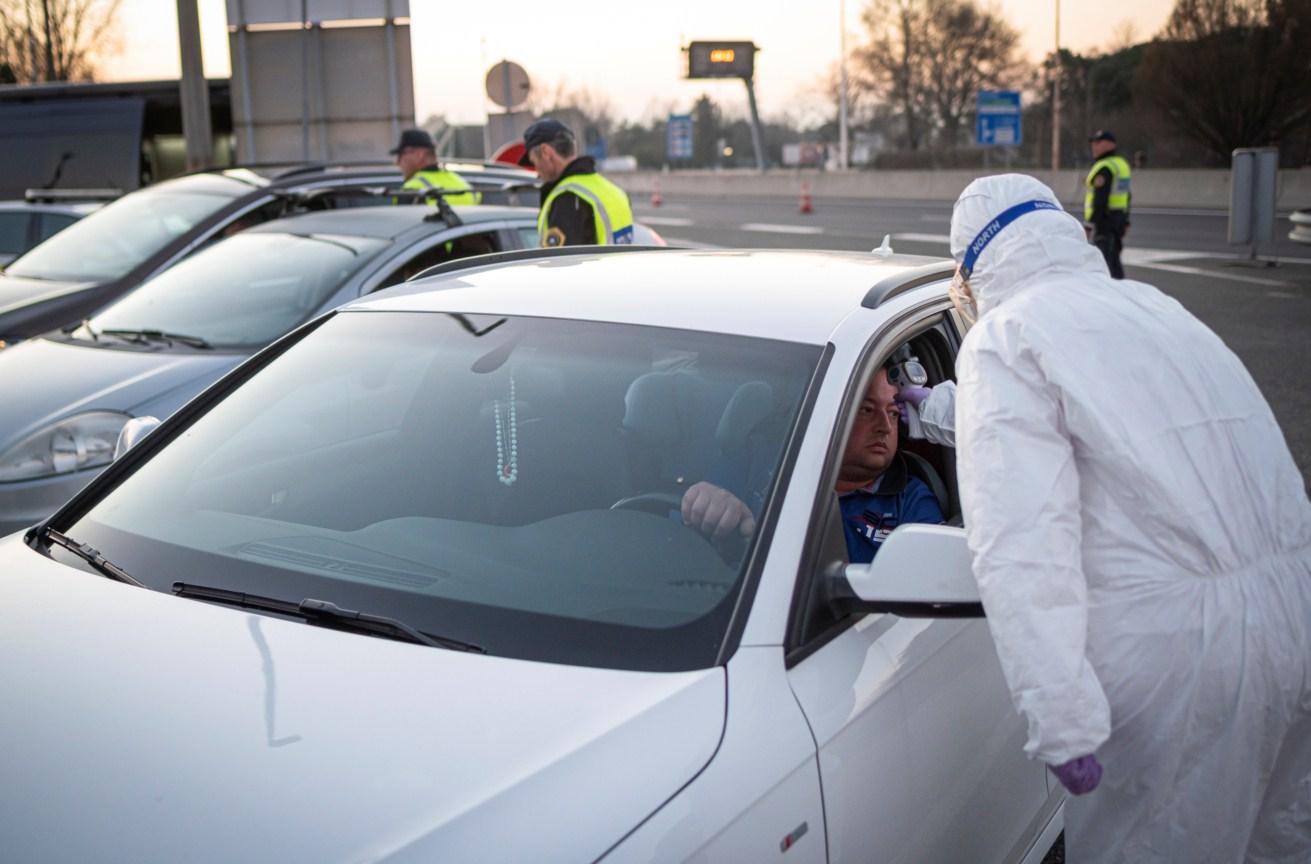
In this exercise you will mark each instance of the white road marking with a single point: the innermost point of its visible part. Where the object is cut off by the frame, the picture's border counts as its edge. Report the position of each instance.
(1215, 274)
(671, 221)
(1282, 295)
(769, 228)
(1157, 259)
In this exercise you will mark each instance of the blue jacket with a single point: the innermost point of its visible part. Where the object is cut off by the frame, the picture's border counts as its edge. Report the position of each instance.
(870, 514)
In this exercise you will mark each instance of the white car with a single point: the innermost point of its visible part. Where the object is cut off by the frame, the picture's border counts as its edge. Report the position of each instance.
(412, 585)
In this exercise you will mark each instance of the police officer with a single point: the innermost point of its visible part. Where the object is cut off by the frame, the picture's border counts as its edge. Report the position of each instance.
(1106, 202)
(416, 156)
(579, 206)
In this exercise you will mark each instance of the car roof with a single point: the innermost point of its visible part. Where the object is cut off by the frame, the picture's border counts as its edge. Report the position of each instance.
(791, 295)
(389, 221)
(72, 208)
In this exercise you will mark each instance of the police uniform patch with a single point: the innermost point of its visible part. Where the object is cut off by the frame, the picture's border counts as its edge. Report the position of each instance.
(1099, 180)
(554, 237)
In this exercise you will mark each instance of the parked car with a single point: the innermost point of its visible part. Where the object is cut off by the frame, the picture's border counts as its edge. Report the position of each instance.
(43, 213)
(79, 271)
(410, 585)
(67, 395)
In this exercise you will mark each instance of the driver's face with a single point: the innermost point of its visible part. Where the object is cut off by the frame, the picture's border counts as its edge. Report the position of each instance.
(873, 440)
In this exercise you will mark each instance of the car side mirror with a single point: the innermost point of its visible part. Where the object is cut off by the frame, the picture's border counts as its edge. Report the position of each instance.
(132, 432)
(921, 571)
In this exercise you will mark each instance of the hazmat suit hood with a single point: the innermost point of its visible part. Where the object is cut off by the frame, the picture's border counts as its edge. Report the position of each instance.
(1044, 242)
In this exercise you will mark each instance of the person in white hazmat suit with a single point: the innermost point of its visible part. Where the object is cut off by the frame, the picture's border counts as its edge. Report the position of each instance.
(1142, 545)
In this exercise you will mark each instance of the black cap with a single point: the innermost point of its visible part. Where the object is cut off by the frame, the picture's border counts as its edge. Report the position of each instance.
(414, 138)
(544, 131)
(1102, 135)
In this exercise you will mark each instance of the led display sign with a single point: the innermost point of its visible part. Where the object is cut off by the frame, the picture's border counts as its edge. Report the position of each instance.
(721, 59)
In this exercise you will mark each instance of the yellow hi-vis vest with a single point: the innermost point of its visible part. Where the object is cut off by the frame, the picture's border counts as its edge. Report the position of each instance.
(1119, 197)
(610, 208)
(435, 178)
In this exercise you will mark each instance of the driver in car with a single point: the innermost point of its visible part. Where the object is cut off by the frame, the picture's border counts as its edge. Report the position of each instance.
(875, 490)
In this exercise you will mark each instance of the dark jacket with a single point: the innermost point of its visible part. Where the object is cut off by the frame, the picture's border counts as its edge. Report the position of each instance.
(570, 213)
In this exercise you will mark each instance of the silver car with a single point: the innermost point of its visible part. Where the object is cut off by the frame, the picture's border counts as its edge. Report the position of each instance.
(67, 395)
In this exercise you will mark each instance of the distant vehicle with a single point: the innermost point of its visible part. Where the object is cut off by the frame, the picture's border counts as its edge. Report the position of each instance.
(42, 214)
(84, 268)
(66, 396)
(410, 585)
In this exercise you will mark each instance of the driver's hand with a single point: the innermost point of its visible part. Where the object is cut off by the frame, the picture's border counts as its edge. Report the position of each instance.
(716, 512)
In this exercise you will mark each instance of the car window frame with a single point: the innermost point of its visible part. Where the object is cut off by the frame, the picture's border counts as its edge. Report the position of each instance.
(402, 256)
(917, 320)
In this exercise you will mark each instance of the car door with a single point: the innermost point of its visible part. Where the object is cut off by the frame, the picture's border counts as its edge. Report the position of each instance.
(920, 750)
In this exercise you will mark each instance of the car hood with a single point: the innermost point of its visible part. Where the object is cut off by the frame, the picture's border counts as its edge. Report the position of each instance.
(17, 291)
(42, 381)
(138, 726)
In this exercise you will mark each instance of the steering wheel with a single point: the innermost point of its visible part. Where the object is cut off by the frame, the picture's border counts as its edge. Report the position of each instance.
(730, 549)
(655, 502)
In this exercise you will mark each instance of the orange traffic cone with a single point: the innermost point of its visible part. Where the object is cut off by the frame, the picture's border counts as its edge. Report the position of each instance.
(806, 205)
(656, 200)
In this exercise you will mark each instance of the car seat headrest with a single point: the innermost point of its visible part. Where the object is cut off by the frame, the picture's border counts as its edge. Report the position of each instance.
(751, 403)
(664, 407)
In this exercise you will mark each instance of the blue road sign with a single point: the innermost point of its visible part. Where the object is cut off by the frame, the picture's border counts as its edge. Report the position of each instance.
(678, 137)
(997, 121)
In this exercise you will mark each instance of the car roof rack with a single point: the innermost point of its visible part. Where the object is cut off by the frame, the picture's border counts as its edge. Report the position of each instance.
(533, 255)
(107, 193)
(914, 277)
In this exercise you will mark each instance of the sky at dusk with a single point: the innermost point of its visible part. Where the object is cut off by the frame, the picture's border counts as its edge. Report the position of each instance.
(628, 52)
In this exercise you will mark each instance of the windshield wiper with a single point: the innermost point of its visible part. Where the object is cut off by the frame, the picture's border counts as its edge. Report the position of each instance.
(325, 613)
(90, 556)
(351, 249)
(143, 336)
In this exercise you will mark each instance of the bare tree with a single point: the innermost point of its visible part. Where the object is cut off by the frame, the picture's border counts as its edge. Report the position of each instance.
(931, 57)
(970, 50)
(1233, 73)
(1124, 35)
(892, 61)
(54, 40)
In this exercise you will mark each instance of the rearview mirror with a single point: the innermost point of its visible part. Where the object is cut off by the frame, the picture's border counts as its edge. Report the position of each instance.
(132, 432)
(921, 571)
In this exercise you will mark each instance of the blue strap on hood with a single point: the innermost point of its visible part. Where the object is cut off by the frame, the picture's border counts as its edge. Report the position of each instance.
(993, 228)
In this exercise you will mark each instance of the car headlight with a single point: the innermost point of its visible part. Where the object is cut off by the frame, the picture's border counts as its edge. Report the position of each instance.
(74, 443)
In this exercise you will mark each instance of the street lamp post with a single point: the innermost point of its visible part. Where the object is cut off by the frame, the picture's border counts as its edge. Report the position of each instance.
(842, 85)
(1056, 98)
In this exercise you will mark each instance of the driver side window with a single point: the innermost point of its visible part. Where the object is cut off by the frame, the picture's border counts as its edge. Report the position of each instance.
(882, 477)
(464, 246)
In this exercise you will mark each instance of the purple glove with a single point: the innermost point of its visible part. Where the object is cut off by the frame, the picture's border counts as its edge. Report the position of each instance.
(1080, 775)
(912, 394)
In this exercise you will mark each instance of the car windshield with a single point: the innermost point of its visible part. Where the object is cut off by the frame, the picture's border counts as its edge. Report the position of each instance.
(120, 236)
(245, 291)
(510, 482)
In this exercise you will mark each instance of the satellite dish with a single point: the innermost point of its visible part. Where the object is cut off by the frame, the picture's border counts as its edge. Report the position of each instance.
(507, 84)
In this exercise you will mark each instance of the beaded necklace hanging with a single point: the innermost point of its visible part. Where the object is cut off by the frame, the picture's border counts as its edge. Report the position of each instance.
(507, 440)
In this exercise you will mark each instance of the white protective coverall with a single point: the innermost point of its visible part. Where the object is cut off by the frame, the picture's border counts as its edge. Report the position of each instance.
(1142, 544)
